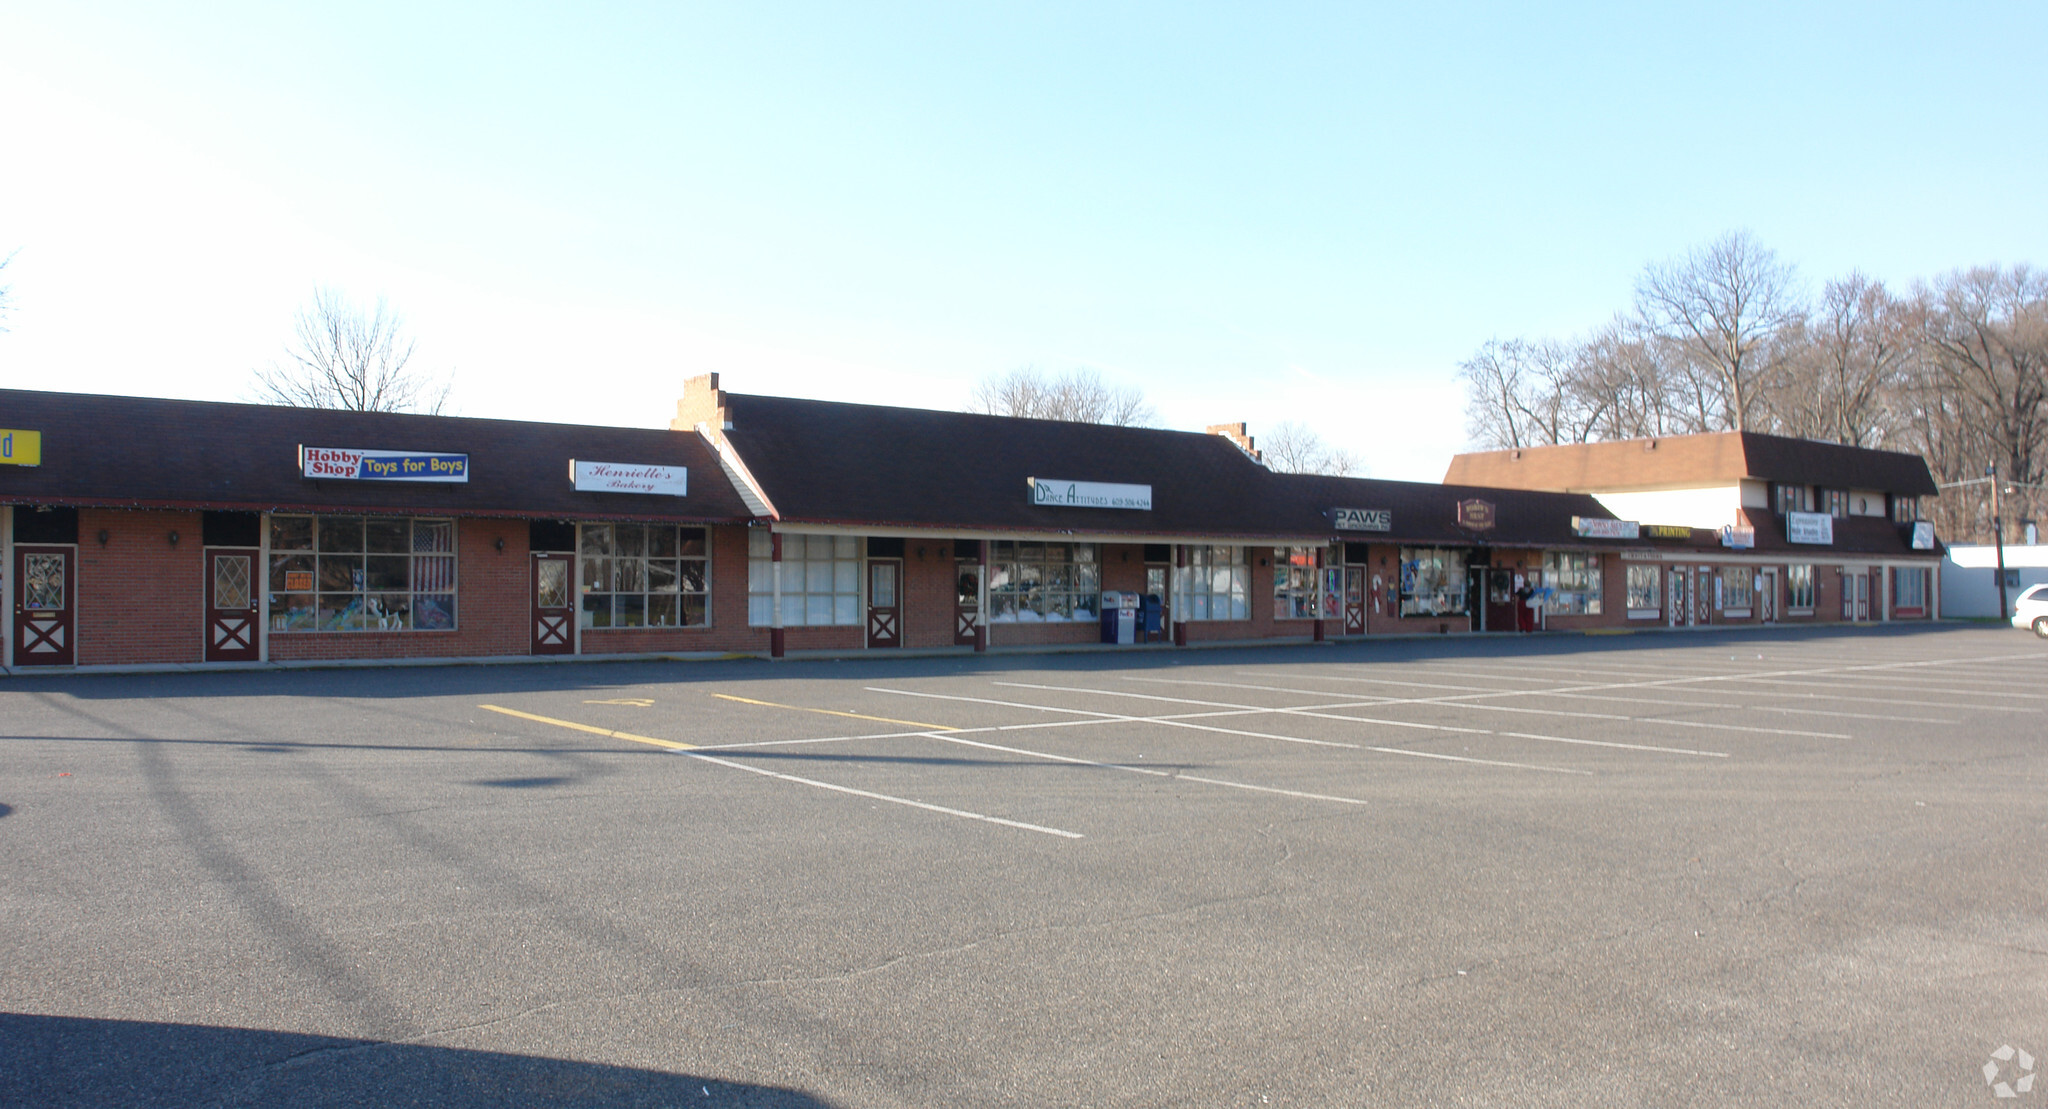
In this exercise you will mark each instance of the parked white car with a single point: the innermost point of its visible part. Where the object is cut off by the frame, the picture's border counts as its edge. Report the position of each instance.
(2031, 610)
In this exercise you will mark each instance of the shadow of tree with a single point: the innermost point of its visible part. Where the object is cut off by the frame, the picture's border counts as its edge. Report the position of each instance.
(59, 1062)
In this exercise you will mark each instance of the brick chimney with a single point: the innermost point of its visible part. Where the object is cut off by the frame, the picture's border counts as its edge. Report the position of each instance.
(1236, 434)
(703, 403)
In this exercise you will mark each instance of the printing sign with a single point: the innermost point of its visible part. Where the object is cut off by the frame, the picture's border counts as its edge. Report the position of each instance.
(1059, 492)
(350, 464)
(1666, 531)
(629, 477)
(20, 448)
(1362, 519)
(1923, 536)
(1810, 527)
(1592, 527)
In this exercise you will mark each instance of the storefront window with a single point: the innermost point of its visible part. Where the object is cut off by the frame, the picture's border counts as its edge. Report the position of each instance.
(820, 580)
(1574, 581)
(361, 573)
(1795, 498)
(1736, 591)
(644, 576)
(1912, 591)
(1215, 584)
(1043, 583)
(1294, 583)
(1432, 582)
(1645, 591)
(1799, 588)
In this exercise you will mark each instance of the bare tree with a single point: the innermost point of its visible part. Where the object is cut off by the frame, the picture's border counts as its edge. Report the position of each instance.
(1293, 448)
(1724, 305)
(1842, 378)
(344, 358)
(1077, 396)
(1521, 393)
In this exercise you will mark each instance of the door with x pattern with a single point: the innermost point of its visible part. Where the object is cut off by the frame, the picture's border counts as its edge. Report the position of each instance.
(554, 628)
(231, 619)
(45, 596)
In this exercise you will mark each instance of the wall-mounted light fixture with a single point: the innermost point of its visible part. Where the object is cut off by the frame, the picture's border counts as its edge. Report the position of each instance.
(173, 537)
(920, 554)
(103, 537)
(501, 544)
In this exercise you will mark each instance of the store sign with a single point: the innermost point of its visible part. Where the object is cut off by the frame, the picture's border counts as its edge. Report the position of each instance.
(1923, 536)
(1593, 527)
(1738, 538)
(1362, 519)
(298, 581)
(1088, 494)
(1475, 515)
(349, 464)
(20, 448)
(1640, 556)
(629, 477)
(1666, 531)
(1810, 527)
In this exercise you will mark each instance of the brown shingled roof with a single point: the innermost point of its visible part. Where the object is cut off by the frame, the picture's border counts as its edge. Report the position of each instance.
(1678, 461)
(139, 452)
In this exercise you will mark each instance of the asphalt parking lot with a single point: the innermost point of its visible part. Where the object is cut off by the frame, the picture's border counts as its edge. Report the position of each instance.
(1753, 868)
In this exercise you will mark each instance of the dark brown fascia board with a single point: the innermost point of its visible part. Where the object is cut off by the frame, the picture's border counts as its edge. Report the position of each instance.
(360, 510)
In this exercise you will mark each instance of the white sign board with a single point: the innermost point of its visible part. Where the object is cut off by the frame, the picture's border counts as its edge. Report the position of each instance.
(629, 477)
(1593, 527)
(1740, 538)
(1923, 536)
(1060, 492)
(1810, 527)
(1362, 519)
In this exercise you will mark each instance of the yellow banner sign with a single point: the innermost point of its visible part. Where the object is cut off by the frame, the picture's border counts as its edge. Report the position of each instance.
(20, 448)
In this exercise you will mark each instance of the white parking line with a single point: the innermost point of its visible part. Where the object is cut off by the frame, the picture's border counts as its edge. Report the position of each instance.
(1320, 712)
(1174, 722)
(1153, 771)
(1635, 700)
(873, 796)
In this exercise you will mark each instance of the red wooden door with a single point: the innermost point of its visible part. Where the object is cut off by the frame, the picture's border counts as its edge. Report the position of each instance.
(966, 601)
(45, 596)
(231, 620)
(554, 613)
(1354, 600)
(885, 602)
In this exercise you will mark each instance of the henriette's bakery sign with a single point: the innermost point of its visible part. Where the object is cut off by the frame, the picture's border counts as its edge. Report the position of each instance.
(629, 477)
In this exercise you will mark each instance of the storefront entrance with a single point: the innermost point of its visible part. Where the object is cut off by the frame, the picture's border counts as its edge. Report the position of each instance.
(1703, 596)
(1856, 596)
(231, 621)
(1767, 595)
(966, 593)
(1354, 600)
(554, 613)
(43, 604)
(1681, 596)
(885, 605)
(1500, 600)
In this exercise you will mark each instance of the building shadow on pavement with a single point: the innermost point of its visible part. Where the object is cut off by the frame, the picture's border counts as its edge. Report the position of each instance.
(58, 1062)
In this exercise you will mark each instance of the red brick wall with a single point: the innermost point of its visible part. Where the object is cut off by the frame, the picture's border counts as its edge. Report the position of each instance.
(139, 598)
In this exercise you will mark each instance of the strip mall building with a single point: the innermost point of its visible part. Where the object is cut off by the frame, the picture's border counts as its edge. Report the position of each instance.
(144, 531)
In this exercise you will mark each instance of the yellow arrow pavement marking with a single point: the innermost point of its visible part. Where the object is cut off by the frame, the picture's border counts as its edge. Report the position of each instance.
(836, 712)
(668, 743)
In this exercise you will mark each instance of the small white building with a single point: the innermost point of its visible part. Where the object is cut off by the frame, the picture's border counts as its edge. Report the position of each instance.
(1969, 577)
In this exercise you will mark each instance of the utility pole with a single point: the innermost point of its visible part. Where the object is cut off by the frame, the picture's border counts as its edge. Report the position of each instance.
(1998, 537)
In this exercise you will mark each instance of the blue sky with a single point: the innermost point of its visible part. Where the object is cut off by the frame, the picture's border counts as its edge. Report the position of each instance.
(1306, 212)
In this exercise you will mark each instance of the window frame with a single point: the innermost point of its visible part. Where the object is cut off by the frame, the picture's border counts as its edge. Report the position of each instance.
(1297, 584)
(1655, 610)
(843, 563)
(1446, 564)
(1195, 584)
(613, 566)
(1799, 577)
(432, 573)
(1572, 583)
(1028, 585)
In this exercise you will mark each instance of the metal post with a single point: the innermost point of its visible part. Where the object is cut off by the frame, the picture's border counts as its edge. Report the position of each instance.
(1998, 538)
(775, 634)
